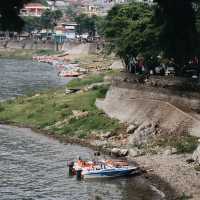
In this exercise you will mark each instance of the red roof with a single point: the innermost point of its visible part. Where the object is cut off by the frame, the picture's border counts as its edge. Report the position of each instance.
(35, 5)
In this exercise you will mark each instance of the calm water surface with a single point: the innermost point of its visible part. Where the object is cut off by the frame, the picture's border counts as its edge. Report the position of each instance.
(18, 77)
(33, 166)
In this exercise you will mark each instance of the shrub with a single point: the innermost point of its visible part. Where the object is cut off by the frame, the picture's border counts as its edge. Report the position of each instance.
(1, 108)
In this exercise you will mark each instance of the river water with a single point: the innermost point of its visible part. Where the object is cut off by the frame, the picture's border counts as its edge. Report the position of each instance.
(22, 76)
(33, 166)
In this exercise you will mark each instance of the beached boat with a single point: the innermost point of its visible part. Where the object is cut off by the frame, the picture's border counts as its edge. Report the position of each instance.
(109, 172)
(69, 74)
(103, 169)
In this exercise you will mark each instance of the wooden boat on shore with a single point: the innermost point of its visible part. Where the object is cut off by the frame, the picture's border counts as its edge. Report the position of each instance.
(64, 73)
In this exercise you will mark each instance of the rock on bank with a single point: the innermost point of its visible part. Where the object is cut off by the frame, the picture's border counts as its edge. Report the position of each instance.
(143, 108)
(138, 106)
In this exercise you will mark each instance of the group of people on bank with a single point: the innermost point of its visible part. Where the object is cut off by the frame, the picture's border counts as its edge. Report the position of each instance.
(164, 67)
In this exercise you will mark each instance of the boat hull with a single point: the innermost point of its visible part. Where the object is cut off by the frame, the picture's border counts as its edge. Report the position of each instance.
(109, 173)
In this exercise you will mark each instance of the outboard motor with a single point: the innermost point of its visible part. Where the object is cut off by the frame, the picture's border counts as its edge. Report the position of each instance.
(97, 153)
(78, 174)
(70, 165)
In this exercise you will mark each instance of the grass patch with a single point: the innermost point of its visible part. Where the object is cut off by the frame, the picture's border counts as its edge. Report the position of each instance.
(43, 52)
(184, 197)
(49, 109)
(1, 108)
(183, 144)
(197, 168)
(78, 82)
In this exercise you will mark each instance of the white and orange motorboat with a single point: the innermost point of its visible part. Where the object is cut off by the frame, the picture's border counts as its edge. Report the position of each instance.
(103, 169)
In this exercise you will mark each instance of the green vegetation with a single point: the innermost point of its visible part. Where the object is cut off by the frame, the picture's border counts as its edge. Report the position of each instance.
(72, 11)
(42, 52)
(32, 23)
(186, 144)
(197, 168)
(53, 111)
(184, 197)
(130, 30)
(50, 18)
(86, 24)
(167, 28)
(48, 21)
(1, 108)
(9, 15)
(78, 83)
(43, 2)
(178, 37)
(183, 144)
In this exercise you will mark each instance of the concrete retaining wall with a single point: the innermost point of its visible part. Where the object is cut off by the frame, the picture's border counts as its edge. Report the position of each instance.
(71, 47)
(138, 106)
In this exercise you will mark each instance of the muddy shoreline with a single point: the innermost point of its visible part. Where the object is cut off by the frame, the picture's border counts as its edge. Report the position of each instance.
(152, 178)
(159, 179)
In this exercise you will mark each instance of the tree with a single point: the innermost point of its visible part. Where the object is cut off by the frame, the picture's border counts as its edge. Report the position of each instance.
(50, 18)
(86, 24)
(9, 15)
(72, 11)
(129, 29)
(178, 36)
(32, 23)
(43, 2)
(100, 25)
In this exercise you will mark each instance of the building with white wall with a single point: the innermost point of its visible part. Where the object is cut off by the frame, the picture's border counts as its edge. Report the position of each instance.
(33, 9)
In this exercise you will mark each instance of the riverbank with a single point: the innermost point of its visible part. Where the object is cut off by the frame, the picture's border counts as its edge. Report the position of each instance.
(19, 50)
(174, 170)
(24, 54)
(74, 118)
(73, 115)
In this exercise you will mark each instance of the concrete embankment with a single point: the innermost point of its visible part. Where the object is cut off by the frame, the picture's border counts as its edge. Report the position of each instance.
(71, 47)
(136, 104)
(27, 44)
(174, 111)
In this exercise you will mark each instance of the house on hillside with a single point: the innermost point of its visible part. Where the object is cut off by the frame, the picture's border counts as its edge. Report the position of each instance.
(66, 29)
(70, 30)
(90, 10)
(33, 9)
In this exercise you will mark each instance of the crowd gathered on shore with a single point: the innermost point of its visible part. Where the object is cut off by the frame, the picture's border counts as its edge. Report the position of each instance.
(164, 67)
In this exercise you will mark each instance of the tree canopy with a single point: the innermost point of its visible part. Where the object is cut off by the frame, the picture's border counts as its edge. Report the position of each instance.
(32, 23)
(86, 24)
(129, 29)
(49, 18)
(178, 37)
(9, 14)
(170, 27)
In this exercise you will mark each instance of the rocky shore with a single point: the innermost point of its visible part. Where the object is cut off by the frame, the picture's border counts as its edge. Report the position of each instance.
(73, 117)
(177, 172)
(169, 173)
(174, 170)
